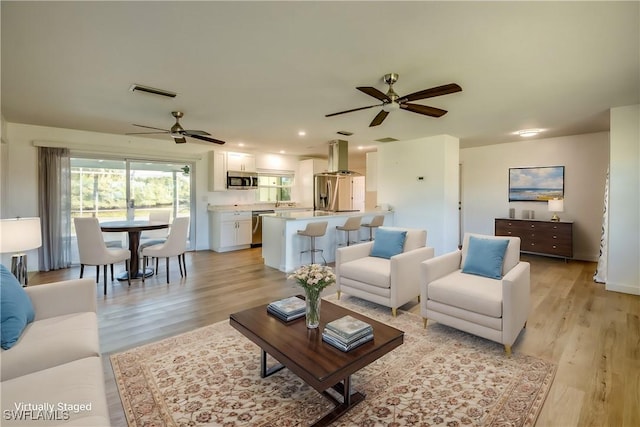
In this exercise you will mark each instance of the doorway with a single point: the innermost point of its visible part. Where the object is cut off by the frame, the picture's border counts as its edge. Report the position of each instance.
(116, 190)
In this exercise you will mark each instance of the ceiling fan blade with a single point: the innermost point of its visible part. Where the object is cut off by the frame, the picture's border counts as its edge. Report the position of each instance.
(430, 93)
(195, 132)
(205, 138)
(352, 110)
(423, 109)
(144, 133)
(379, 118)
(372, 91)
(150, 127)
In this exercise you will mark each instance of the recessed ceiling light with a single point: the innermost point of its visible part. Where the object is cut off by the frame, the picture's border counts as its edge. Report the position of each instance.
(240, 144)
(528, 132)
(282, 151)
(301, 133)
(360, 147)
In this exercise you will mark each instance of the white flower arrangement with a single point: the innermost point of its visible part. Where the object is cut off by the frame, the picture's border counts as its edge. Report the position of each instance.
(314, 277)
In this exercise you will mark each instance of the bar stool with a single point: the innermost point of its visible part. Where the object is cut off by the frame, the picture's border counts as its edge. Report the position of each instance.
(313, 230)
(351, 224)
(376, 222)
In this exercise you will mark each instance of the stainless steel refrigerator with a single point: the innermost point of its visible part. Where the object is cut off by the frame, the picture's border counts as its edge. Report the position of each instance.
(333, 192)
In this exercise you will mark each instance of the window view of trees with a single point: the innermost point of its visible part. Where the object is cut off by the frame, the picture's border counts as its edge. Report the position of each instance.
(99, 188)
(274, 188)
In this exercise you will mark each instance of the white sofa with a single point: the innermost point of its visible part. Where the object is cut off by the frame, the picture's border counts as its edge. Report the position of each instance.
(495, 309)
(390, 282)
(56, 365)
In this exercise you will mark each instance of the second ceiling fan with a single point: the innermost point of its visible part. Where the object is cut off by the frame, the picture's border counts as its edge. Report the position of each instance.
(392, 101)
(178, 133)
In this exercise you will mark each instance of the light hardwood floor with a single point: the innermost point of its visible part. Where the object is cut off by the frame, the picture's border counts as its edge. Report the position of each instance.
(593, 335)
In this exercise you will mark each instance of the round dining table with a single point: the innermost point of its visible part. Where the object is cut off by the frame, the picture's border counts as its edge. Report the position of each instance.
(133, 229)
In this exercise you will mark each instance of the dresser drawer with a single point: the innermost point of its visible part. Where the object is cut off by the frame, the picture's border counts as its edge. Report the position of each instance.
(542, 237)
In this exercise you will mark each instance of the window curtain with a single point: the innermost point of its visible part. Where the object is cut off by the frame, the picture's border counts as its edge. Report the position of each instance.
(601, 271)
(54, 189)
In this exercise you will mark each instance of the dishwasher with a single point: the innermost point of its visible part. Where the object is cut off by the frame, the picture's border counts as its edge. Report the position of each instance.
(256, 224)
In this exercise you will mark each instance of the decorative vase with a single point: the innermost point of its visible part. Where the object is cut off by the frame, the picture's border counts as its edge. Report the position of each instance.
(312, 313)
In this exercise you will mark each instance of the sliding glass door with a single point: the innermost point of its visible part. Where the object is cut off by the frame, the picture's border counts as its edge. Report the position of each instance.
(112, 190)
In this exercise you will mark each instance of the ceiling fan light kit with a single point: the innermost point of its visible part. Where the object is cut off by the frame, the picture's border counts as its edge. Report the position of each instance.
(391, 101)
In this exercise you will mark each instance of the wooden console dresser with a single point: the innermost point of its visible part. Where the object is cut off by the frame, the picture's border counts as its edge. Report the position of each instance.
(553, 238)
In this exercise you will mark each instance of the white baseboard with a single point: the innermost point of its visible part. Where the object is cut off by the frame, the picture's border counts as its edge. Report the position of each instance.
(625, 289)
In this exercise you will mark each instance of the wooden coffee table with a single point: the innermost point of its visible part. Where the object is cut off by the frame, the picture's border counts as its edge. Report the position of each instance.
(303, 352)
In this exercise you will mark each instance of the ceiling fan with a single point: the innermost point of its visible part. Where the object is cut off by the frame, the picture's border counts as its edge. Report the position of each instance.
(178, 133)
(392, 101)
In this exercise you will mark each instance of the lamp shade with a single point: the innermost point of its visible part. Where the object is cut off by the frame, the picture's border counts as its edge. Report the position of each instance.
(19, 234)
(556, 205)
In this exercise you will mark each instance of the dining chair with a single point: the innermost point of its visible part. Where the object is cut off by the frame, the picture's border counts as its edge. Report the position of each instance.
(175, 245)
(155, 237)
(92, 249)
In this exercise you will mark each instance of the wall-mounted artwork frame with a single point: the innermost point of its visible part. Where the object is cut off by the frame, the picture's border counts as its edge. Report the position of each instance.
(536, 184)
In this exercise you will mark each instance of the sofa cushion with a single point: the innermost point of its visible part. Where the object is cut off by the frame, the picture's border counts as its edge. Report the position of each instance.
(50, 342)
(371, 270)
(469, 292)
(388, 243)
(485, 257)
(80, 382)
(16, 309)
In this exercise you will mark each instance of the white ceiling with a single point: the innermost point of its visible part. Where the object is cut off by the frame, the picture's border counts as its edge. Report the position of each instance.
(258, 72)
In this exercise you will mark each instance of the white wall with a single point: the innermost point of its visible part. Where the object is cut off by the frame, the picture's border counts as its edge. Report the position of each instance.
(430, 203)
(624, 201)
(485, 182)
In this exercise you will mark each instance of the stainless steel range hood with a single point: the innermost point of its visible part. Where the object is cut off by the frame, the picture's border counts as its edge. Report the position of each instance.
(333, 189)
(339, 158)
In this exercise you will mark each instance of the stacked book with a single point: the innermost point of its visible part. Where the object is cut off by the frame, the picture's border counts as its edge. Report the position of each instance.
(347, 333)
(287, 309)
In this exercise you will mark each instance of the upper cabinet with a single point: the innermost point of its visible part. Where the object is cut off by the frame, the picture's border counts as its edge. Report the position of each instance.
(217, 171)
(222, 161)
(241, 162)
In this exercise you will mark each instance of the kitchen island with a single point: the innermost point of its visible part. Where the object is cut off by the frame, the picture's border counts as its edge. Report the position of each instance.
(281, 244)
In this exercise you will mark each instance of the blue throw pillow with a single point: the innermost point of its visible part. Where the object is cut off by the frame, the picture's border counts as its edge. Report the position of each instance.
(16, 309)
(485, 257)
(388, 243)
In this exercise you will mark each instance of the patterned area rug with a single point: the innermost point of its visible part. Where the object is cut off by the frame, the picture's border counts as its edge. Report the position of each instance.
(438, 377)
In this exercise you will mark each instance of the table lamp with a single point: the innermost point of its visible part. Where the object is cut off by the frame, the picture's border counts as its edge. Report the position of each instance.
(555, 206)
(18, 235)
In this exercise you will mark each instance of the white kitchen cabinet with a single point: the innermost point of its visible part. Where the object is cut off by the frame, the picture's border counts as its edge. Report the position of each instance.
(304, 180)
(230, 230)
(217, 171)
(241, 162)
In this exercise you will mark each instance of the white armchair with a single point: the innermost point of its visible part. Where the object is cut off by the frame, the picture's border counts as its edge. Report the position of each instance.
(495, 309)
(390, 282)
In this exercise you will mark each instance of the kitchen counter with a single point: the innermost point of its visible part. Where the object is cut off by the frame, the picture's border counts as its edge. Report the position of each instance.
(257, 207)
(306, 214)
(281, 244)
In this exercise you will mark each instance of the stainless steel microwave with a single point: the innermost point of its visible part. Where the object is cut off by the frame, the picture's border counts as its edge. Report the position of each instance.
(237, 180)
